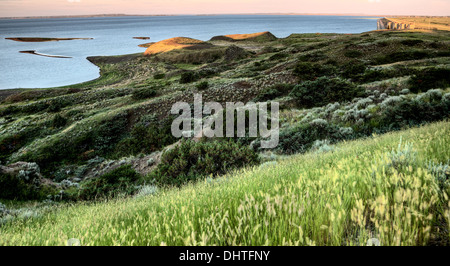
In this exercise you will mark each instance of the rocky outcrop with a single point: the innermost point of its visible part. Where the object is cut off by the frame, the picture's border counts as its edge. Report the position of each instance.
(385, 24)
(258, 37)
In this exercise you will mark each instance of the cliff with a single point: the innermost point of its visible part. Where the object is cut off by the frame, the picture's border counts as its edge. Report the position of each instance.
(386, 24)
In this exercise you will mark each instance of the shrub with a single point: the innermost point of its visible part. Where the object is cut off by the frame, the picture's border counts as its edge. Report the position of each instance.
(301, 138)
(192, 160)
(99, 140)
(146, 137)
(188, 77)
(143, 93)
(14, 188)
(58, 121)
(353, 70)
(12, 143)
(430, 78)
(401, 56)
(313, 57)
(308, 71)
(411, 112)
(273, 92)
(147, 190)
(159, 76)
(411, 42)
(323, 91)
(401, 158)
(202, 85)
(24, 185)
(278, 56)
(121, 180)
(352, 53)
(441, 172)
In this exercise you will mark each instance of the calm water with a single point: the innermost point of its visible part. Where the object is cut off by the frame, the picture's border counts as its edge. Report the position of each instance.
(114, 36)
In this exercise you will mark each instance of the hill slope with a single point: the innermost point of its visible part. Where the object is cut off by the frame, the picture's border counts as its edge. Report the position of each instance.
(382, 187)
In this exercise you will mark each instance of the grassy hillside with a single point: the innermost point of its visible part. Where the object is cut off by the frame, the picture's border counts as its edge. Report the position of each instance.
(386, 187)
(84, 160)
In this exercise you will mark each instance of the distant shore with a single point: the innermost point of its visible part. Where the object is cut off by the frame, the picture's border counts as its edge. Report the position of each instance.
(246, 14)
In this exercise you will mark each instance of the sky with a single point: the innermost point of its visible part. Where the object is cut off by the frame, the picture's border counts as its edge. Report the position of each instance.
(18, 8)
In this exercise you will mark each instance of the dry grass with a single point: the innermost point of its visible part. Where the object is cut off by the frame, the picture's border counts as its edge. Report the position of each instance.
(425, 23)
(171, 44)
(246, 36)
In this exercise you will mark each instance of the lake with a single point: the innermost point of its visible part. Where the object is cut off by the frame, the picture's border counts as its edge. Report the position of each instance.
(114, 36)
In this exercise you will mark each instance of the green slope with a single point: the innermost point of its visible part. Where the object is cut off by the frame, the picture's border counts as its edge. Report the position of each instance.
(373, 188)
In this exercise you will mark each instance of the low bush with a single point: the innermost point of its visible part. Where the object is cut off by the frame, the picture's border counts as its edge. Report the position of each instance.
(13, 142)
(352, 53)
(323, 91)
(99, 140)
(401, 56)
(159, 76)
(371, 75)
(143, 93)
(273, 92)
(24, 185)
(353, 70)
(192, 160)
(14, 188)
(121, 180)
(411, 42)
(202, 85)
(278, 56)
(146, 137)
(301, 138)
(58, 121)
(188, 77)
(308, 71)
(430, 78)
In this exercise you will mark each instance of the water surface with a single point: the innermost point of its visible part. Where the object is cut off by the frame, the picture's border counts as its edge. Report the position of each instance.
(114, 36)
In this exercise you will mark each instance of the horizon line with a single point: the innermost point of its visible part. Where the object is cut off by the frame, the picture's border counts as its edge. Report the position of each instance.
(213, 14)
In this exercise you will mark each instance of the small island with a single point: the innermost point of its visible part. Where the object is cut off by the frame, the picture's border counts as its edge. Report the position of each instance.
(37, 39)
(47, 55)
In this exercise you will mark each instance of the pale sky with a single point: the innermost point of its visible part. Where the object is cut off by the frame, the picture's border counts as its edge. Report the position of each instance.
(12, 8)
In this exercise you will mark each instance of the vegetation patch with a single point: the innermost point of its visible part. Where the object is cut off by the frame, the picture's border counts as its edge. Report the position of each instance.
(191, 160)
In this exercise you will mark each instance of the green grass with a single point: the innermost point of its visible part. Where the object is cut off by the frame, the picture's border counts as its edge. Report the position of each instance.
(359, 191)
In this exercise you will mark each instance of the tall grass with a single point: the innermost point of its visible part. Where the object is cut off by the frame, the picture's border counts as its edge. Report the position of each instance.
(374, 188)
